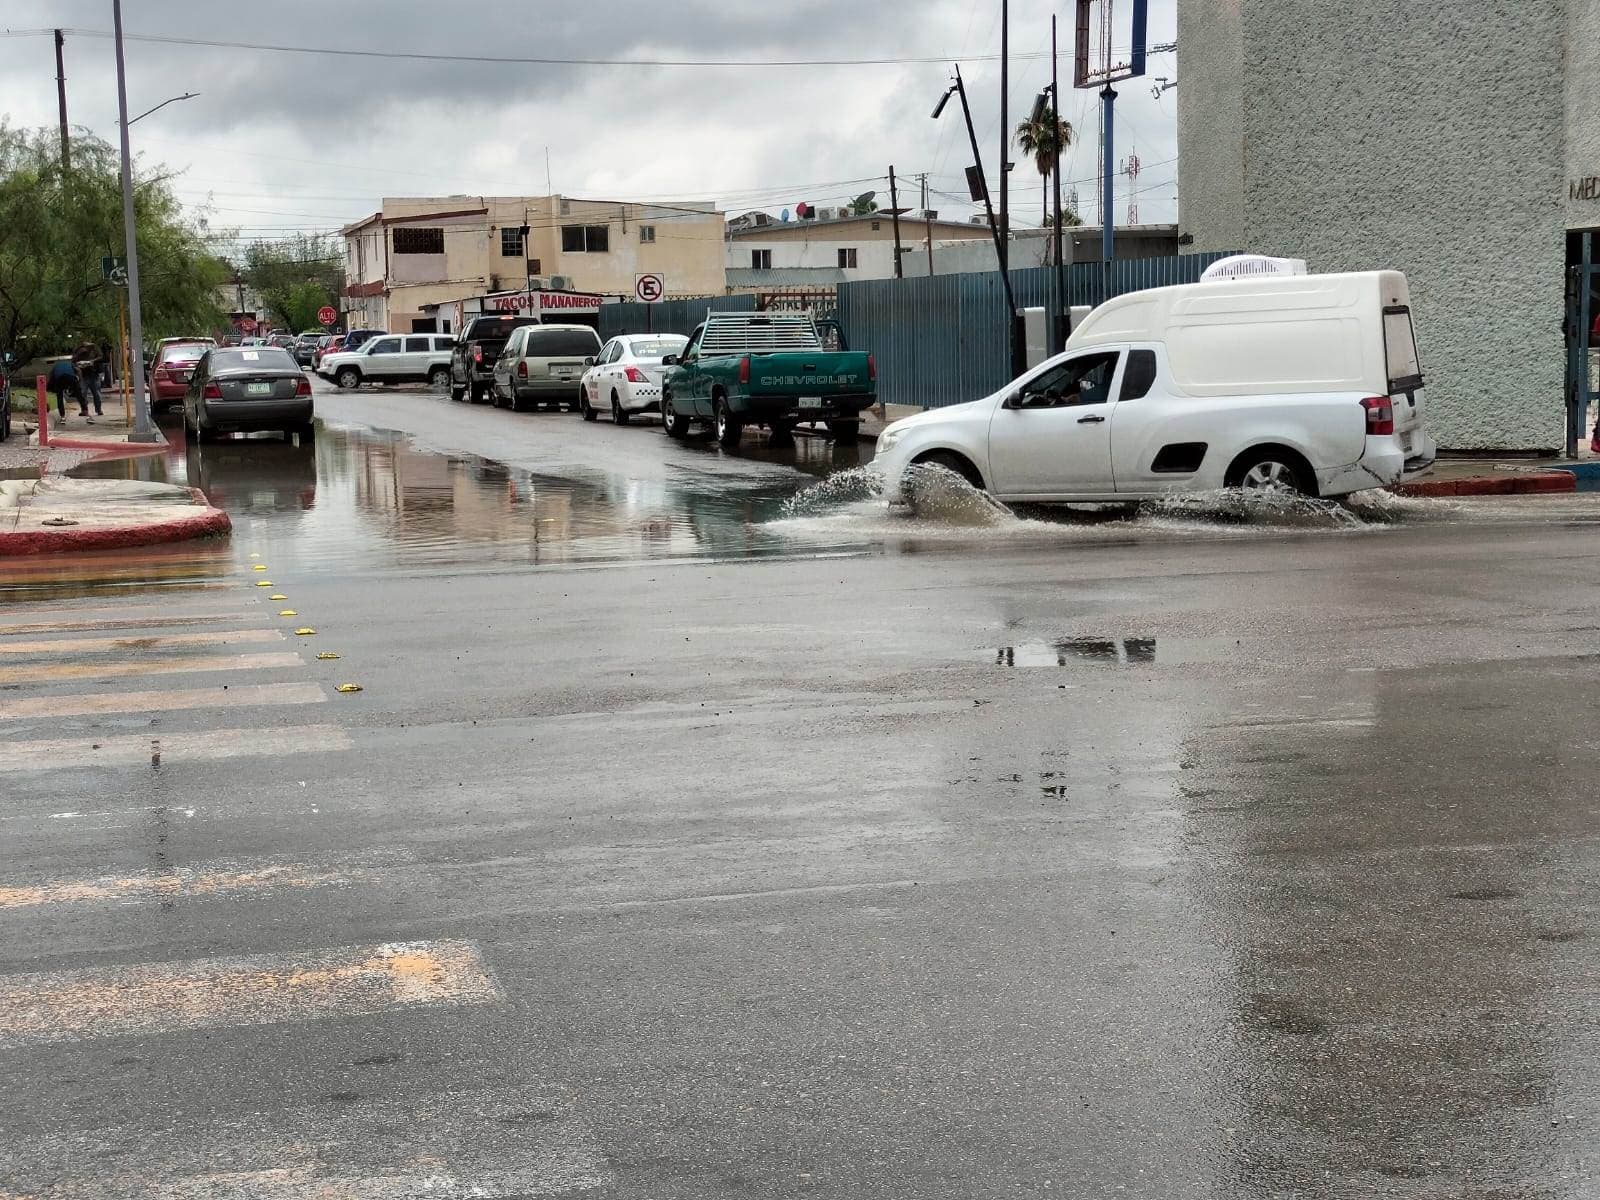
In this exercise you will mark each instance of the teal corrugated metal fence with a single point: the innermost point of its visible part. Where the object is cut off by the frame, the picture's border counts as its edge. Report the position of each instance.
(942, 339)
(670, 316)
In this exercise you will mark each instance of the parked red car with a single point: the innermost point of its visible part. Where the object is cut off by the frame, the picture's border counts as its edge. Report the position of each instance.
(169, 375)
(326, 345)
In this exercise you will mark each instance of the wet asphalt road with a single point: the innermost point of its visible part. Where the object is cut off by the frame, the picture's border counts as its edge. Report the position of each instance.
(689, 841)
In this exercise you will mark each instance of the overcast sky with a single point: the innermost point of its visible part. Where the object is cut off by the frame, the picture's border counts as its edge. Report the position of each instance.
(282, 142)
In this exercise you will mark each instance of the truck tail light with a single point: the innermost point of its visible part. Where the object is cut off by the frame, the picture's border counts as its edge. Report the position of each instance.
(1380, 415)
(302, 386)
(872, 368)
(212, 392)
(522, 370)
(744, 369)
(634, 375)
(477, 353)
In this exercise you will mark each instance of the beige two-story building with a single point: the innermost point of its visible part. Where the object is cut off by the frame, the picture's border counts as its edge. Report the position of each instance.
(422, 251)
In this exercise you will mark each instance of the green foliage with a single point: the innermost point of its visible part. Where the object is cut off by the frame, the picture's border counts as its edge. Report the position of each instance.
(294, 279)
(1047, 140)
(54, 228)
(864, 204)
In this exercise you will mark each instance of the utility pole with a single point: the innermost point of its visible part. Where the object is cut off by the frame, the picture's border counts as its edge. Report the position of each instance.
(894, 212)
(143, 430)
(61, 100)
(927, 215)
(1108, 219)
(1063, 313)
(1017, 349)
(1005, 141)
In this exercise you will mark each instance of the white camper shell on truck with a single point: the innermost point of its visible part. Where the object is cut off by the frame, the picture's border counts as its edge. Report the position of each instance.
(1303, 382)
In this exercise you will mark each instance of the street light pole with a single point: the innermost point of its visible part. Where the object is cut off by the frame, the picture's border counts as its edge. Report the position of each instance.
(163, 104)
(143, 429)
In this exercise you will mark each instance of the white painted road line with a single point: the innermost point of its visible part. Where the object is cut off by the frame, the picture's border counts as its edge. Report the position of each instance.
(157, 998)
(198, 882)
(121, 645)
(161, 666)
(490, 1144)
(238, 696)
(15, 628)
(175, 748)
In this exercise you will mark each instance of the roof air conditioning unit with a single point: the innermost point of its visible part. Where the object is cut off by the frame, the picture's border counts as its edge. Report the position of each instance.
(537, 283)
(562, 283)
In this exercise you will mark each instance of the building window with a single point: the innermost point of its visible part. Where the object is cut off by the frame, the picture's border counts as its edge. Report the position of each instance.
(533, 266)
(419, 241)
(585, 239)
(847, 257)
(761, 260)
(511, 244)
(566, 206)
(877, 225)
(647, 235)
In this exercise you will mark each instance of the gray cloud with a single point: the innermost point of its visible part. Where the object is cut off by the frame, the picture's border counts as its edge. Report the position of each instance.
(287, 141)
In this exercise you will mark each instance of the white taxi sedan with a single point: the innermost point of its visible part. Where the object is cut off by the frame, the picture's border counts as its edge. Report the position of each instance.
(626, 377)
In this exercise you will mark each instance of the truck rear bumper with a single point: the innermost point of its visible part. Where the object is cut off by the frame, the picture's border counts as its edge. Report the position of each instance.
(789, 408)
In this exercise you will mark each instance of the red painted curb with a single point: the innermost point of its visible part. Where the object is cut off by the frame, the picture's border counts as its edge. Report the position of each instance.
(211, 523)
(1533, 483)
(107, 449)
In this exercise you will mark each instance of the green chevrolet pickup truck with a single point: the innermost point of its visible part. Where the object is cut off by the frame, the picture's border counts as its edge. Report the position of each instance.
(764, 369)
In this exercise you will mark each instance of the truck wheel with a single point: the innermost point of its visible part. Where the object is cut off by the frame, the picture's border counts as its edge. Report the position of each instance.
(1271, 469)
(619, 415)
(439, 378)
(729, 428)
(348, 378)
(845, 431)
(782, 431)
(588, 410)
(675, 423)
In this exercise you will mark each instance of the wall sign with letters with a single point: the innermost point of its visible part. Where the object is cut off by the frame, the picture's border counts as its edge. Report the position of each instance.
(1584, 189)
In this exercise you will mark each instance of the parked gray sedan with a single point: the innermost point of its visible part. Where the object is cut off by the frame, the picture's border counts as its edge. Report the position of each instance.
(247, 388)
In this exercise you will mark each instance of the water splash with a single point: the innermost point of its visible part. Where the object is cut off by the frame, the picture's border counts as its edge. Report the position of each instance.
(940, 495)
(1238, 506)
(848, 487)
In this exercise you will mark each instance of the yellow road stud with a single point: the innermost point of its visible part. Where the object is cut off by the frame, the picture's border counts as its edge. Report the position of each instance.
(304, 631)
(277, 596)
(255, 554)
(263, 583)
(348, 687)
(259, 567)
(327, 655)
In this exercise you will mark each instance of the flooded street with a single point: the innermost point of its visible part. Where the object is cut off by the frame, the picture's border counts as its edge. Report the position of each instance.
(595, 814)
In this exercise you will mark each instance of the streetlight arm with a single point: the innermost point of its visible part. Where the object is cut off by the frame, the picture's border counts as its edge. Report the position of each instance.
(163, 104)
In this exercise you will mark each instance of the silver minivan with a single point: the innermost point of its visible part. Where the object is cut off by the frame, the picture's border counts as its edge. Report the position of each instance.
(544, 364)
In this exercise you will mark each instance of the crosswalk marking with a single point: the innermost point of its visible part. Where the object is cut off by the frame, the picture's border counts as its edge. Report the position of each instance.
(210, 637)
(161, 666)
(171, 620)
(395, 1143)
(261, 989)
(190, 883)
(248, 695)
(176, 748)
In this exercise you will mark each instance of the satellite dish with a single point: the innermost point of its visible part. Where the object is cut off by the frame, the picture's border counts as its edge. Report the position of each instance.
(785, 215)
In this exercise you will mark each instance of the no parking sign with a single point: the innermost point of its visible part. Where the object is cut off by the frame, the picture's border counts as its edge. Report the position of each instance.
(649, 288)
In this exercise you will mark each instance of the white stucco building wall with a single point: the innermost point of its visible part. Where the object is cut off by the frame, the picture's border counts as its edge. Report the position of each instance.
(1437, 139)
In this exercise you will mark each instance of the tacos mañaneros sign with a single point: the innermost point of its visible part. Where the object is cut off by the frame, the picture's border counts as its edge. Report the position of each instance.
(544, 303)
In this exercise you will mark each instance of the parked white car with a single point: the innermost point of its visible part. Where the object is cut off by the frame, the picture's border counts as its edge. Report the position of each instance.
(1311, 383)
(626, 378)
(392, 358)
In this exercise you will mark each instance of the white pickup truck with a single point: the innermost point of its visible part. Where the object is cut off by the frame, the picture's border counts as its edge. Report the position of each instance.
(1310, 383)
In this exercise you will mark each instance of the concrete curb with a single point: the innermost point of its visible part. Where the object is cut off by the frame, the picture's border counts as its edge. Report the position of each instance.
(1531, 483)
(209, 522)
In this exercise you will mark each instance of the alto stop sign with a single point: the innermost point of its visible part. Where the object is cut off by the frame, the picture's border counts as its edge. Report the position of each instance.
(649, 288)
(326, 315)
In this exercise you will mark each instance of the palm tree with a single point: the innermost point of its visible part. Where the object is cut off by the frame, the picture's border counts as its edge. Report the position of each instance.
(1046, 140)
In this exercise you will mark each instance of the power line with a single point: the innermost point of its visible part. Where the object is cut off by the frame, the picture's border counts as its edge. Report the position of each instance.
(517, 60)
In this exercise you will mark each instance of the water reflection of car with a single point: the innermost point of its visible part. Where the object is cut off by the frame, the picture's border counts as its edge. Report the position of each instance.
(626, 378)
(250, 388)
(253, 472)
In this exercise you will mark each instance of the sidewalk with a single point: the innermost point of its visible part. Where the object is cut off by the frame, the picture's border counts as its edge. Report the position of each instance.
(73, 440)
(54, 514)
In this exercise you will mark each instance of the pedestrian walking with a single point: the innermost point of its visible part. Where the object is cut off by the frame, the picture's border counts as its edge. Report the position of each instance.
(88, 363)
(105, 364)
(63, 378)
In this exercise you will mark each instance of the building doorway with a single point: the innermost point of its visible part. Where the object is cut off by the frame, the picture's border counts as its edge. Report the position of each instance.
(1582, 329)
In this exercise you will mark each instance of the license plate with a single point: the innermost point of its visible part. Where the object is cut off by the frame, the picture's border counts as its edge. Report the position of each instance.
(184, 376)
(810, 401)
(258, 389)
(1405, 442)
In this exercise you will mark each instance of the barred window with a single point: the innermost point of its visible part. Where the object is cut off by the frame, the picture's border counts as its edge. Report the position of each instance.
(510, 241)
(409, 240)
